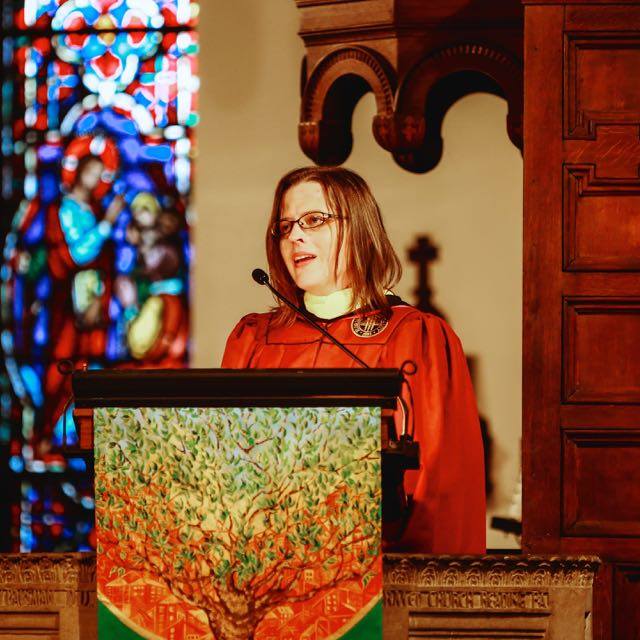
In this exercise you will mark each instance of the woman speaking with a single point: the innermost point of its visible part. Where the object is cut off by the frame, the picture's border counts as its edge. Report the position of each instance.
(328, 250)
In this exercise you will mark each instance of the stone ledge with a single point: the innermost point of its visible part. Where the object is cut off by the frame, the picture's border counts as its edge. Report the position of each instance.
(48, 595)
(53, 596)
(515, 597)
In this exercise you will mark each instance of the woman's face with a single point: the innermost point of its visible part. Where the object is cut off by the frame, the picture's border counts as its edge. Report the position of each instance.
(91, 173)
(310, 254)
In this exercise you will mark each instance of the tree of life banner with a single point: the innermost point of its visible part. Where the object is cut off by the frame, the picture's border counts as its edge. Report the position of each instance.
(239, 523)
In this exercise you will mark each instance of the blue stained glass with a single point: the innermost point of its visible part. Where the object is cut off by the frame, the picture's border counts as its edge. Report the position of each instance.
(126, 258)
(26, 538)
(32, 384)
(43, 288)
(5, 433)
(18, 308)
(172, 287)
(130, 149)
(69, 489)
(121, 226)
(35, 233)
(83, 527)
(101, 115)
(156, 153)
(115, 309)
(116, 339)
(49, 188)
(49, 153)
(41, 329)
(65, 426)
(164, 13)
(88, 123)
(138, 181)
(118, 125)
(16, 464)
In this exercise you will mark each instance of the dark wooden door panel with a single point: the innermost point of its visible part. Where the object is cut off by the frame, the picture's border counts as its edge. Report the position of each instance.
(626, 596)
(601, 216)
(581, 440)
(598, 86)
(601, 336)
(600, 483)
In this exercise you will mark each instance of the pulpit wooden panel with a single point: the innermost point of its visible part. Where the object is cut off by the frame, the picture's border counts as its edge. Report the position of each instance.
(581, 454)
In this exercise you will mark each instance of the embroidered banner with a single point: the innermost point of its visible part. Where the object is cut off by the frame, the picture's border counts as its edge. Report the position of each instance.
(238, 524)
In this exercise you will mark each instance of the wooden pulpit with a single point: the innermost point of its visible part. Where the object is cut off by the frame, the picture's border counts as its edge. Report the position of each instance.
(237, 504)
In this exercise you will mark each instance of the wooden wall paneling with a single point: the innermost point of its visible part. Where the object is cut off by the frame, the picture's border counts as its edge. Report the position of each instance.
(601, 16)
(588, 398)
(542, 318)
(601, 475)
(600, 336)
(599, 88)
(602, 600)
(626, 595)
(601, 218)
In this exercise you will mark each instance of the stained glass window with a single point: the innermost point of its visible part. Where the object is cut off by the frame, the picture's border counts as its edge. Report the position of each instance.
(99, 103)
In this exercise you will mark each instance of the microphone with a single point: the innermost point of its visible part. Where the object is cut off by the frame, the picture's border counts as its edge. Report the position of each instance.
(261, 277)
(397, 456)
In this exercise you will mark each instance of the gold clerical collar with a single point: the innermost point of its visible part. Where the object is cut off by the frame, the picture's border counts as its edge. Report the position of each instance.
(328, 307)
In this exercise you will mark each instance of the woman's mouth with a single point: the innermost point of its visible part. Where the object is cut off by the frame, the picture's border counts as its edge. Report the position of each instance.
(302, 259)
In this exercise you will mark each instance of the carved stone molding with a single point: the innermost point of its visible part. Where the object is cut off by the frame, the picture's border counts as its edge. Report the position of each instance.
(523, 597)
(467, 65)
(423, 571)
(435, 52)
(49, 595)
(331, 93)
(489, 597)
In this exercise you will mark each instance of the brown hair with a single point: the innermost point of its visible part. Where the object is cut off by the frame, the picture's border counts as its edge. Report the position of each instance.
(371, 262)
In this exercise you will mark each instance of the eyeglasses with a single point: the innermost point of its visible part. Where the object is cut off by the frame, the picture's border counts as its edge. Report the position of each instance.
(310, 220)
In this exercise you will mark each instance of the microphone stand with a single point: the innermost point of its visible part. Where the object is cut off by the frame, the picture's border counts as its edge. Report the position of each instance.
(400, 455)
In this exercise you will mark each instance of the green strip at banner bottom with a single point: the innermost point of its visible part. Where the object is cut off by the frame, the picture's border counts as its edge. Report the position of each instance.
(110, 626)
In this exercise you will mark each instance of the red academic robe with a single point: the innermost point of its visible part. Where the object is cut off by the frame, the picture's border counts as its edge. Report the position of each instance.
(448, 515)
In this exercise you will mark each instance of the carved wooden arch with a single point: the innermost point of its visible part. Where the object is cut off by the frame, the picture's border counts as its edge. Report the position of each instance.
(412, 132)
(330, 95)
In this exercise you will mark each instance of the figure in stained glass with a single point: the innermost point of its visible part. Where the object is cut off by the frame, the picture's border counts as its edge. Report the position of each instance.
(97, 149)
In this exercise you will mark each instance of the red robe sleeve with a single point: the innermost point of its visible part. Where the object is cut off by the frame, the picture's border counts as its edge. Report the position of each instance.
(241, 343)
(448, 515)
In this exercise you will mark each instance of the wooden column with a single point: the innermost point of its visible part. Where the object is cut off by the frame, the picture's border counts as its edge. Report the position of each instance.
(581, 459)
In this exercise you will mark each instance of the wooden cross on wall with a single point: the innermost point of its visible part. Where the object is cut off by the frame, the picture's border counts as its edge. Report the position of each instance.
(423, 253)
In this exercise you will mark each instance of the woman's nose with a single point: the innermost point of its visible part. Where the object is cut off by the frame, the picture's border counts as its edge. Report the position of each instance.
(297, 233)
